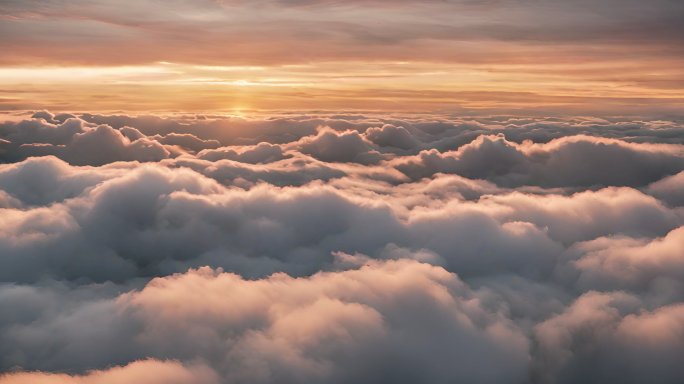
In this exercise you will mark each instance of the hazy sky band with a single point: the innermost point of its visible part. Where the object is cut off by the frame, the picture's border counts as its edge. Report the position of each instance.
(609, 57)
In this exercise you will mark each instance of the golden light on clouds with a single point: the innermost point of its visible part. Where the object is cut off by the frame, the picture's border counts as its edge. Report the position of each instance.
(605, 57)
(330, 85)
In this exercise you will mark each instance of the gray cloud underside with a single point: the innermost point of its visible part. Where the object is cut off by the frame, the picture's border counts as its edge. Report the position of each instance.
(337, 249)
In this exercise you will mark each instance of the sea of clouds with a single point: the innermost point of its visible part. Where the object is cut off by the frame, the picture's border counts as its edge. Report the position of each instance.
(341, 249)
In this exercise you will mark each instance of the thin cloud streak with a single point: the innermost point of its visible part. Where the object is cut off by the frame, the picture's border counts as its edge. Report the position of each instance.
(617, 55)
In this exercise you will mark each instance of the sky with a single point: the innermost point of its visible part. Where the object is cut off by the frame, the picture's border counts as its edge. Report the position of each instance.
(608, 57)
(338, 192)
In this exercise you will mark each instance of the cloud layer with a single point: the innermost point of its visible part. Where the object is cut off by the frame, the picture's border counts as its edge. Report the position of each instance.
(337, 249)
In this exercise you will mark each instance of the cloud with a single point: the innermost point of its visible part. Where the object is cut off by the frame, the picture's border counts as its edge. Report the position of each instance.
(45, 115)
(527, 158)
(335, 249)
(148, 371)
(375, 55)
(588, 215)
(333, 147)
(391, 136)
(226, 131)
(637, 265)
(44, 180)
(608, 327)
(669, 189)
(255, 154)
(580, 161)
(187, 141)
(104, 145)
(150, 220)
(79, 143)
(355, 325)
(376, 23)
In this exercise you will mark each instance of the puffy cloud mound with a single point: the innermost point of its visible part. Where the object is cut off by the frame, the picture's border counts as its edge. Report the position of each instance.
(391, 136)
(186, 141)
(669, 189)
(330, 146)
(338, 249)
(254, 154)
(579, 161)
(356, 325)
(79, 143)
(606, 337)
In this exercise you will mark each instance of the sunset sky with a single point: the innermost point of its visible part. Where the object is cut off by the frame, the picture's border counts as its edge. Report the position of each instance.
(608, 57)
(341, 192)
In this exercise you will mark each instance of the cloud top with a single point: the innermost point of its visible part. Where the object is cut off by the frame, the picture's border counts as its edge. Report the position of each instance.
(338, 249)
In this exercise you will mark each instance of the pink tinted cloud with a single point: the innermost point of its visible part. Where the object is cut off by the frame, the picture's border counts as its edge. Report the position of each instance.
(144, 371)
